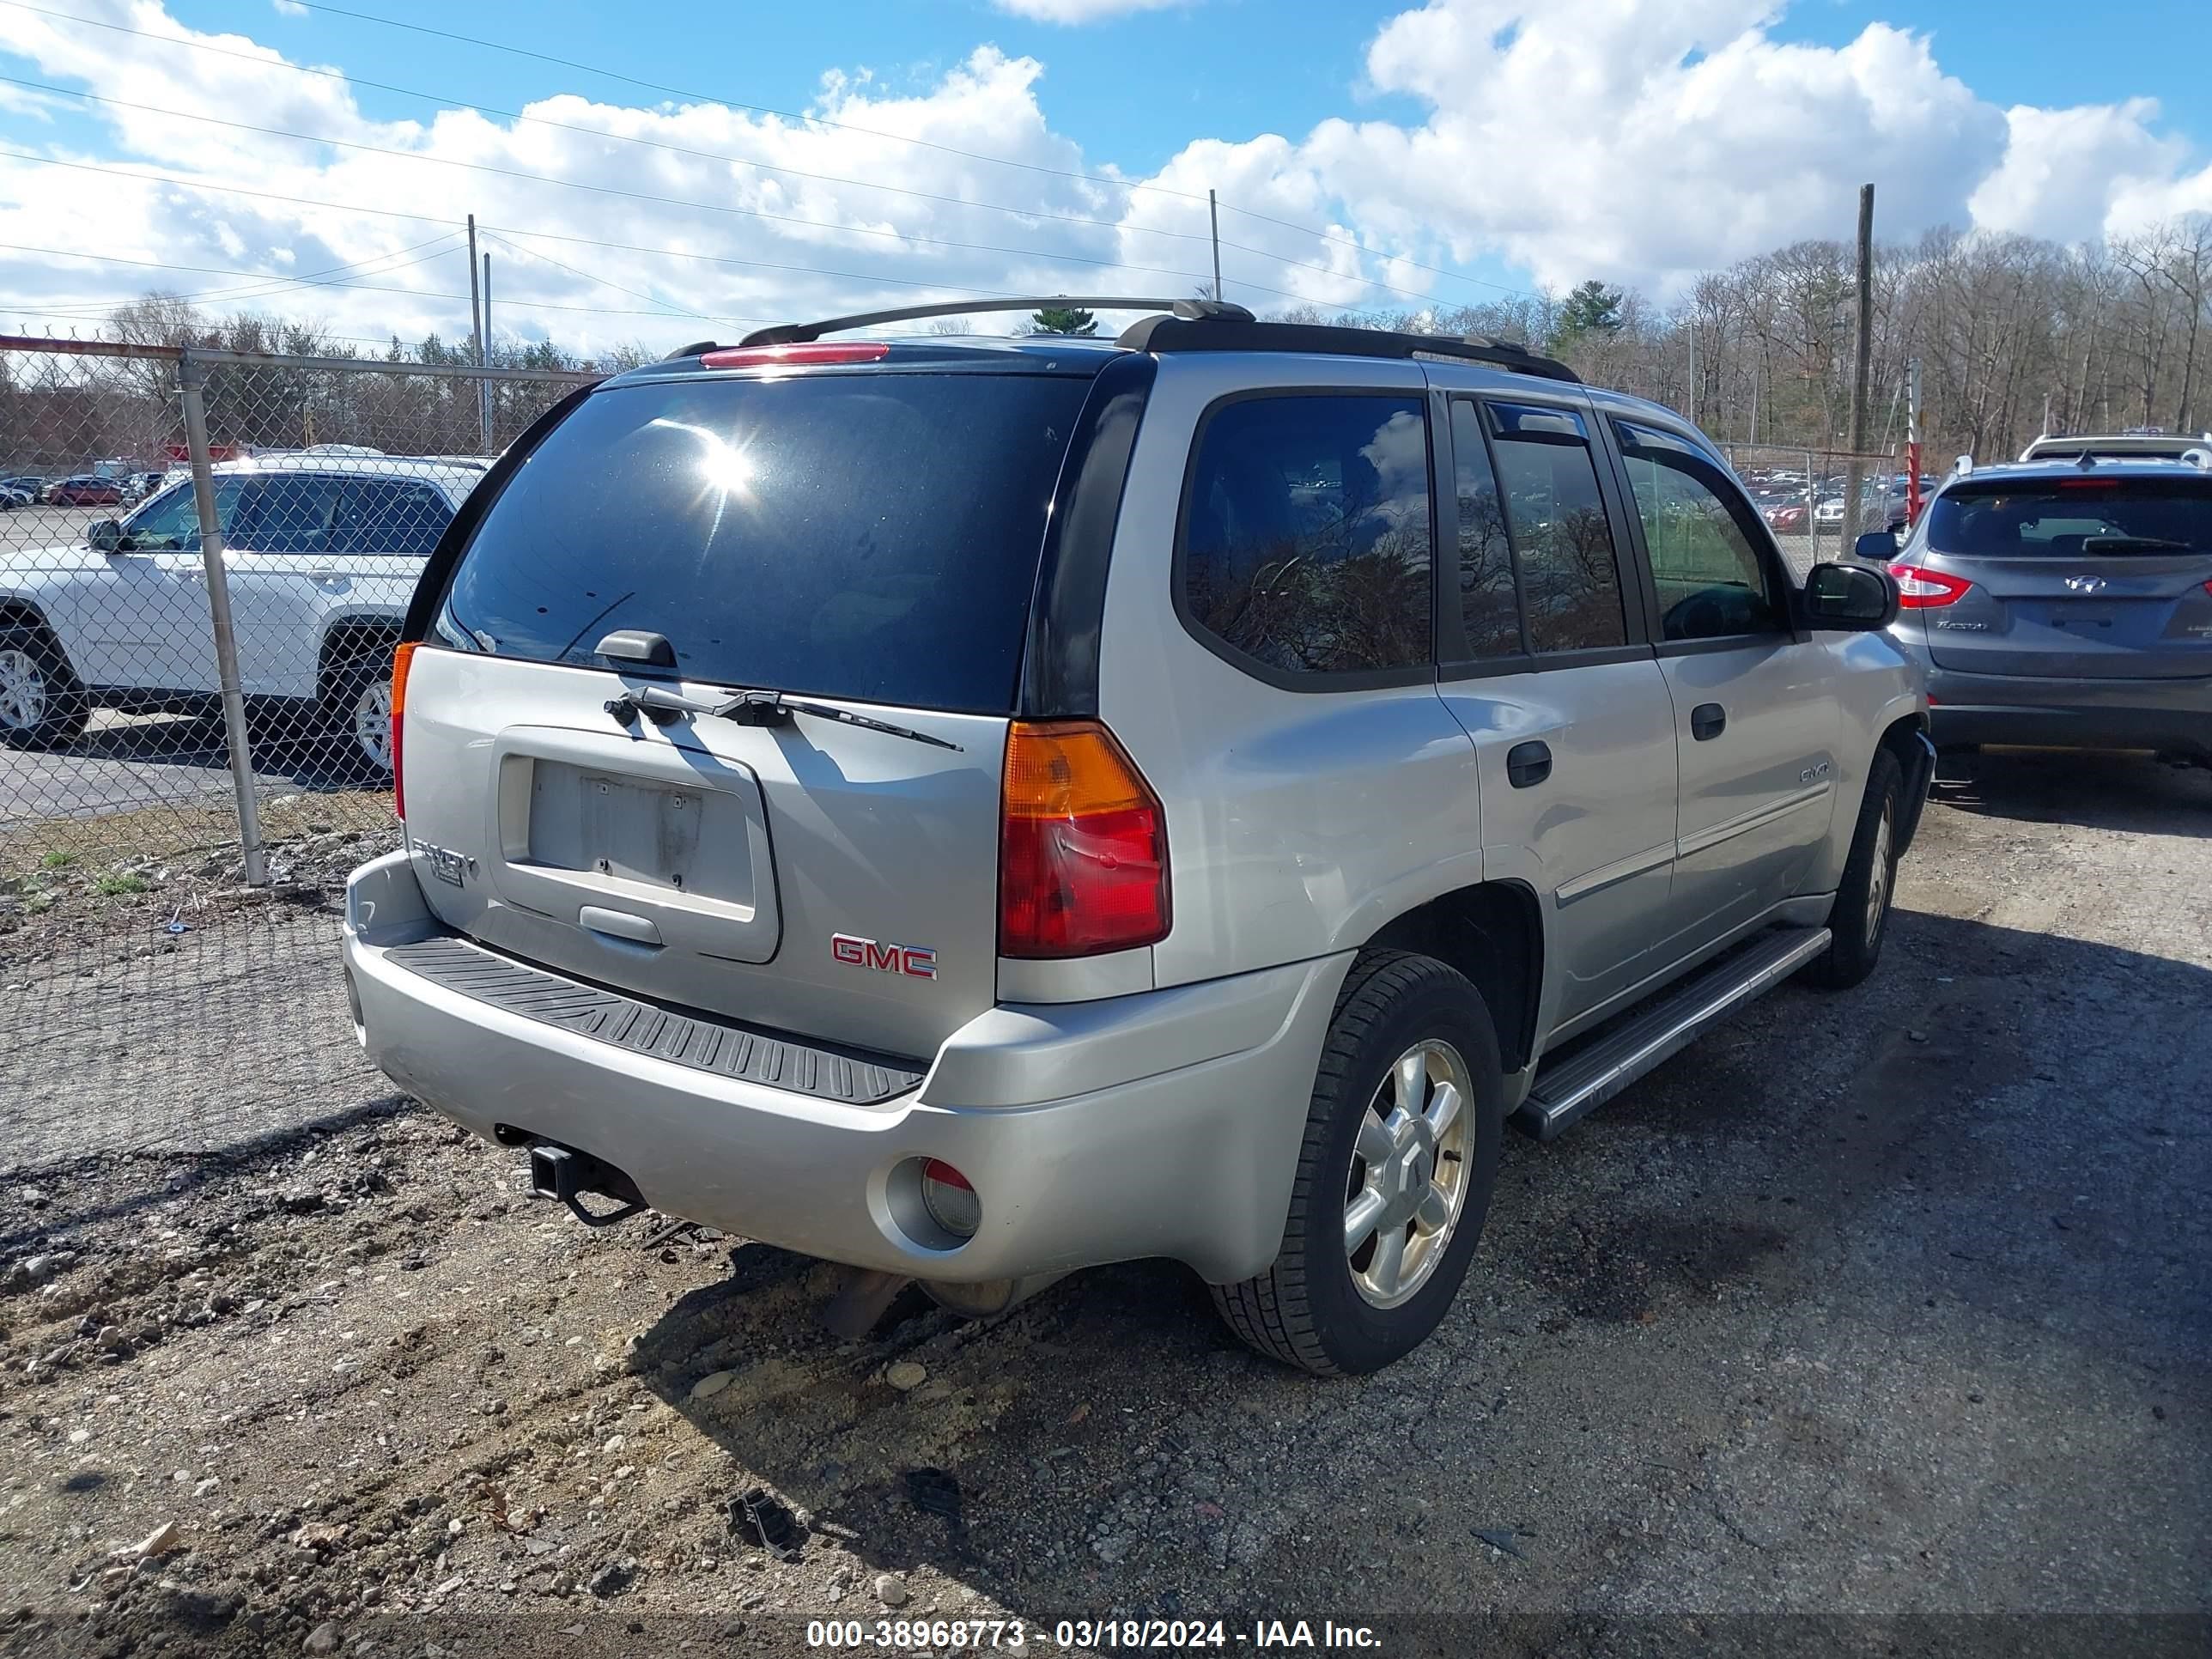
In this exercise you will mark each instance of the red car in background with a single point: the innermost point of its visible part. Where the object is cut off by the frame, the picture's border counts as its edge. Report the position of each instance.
(85, 491)
(1786, 518)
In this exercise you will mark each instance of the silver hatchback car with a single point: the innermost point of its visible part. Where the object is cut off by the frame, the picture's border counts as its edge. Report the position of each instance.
(974, 809)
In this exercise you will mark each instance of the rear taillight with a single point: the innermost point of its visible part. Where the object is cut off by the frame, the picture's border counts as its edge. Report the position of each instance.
(402, 659)
(800, 354)
(1919, 589)
(1083, 849)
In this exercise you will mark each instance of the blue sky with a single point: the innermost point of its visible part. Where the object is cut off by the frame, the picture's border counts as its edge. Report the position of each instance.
(1466, 146)
(1133, 88)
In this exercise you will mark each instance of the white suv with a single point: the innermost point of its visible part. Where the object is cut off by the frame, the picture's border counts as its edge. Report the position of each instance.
(322, 551)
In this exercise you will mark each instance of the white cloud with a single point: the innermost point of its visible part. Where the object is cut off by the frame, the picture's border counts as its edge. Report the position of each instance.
(1625, 139)
(288, 7)
(1080, 11)
(2065, 169)
(1635, 143)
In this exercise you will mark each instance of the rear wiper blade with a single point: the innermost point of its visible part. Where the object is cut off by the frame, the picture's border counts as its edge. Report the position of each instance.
(2133, 544)
(753, 708)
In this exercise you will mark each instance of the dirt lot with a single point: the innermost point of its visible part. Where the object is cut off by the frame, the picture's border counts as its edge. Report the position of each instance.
(1878, 1321)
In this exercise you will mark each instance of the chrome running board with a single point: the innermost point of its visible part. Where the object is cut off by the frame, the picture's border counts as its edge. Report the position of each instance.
(1593, 1075)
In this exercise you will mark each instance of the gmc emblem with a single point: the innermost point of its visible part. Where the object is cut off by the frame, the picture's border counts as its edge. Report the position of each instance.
(912, 960)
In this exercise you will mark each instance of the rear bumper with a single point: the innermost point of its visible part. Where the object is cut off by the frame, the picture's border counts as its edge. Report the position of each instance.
(2172, 715)
(1166, 1123)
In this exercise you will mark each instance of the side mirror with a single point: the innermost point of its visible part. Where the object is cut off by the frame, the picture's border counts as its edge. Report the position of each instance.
(1851, 596)
(105, 535)
(1879, 546)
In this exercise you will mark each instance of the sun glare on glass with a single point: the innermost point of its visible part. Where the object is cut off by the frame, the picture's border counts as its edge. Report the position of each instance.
(724, 470)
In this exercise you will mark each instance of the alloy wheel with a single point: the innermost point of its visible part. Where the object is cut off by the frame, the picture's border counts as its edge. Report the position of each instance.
(1409, 1175)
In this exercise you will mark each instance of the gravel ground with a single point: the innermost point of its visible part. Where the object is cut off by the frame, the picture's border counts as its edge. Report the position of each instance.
(1878, 1322)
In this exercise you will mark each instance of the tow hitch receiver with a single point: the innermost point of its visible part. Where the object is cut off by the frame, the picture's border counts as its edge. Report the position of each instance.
(562, 1173)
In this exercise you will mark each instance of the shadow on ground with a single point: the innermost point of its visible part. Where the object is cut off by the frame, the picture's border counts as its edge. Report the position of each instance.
(2096, 789)
(1817, 1240)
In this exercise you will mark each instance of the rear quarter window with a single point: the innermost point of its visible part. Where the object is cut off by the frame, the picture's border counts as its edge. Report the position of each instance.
(1307, 543)
(873, 536)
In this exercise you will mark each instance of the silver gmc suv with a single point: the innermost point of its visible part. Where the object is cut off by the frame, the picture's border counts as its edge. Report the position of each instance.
(972, 809)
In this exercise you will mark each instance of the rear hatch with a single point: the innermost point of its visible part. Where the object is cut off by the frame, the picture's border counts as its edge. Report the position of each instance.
(2094, 576)
(866, 539)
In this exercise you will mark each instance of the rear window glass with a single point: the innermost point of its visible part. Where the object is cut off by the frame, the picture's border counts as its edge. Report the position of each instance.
(871, 536)
(2072, 518)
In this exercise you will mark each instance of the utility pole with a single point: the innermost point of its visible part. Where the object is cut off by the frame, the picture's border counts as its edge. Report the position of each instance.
(1213, 217)
(1912, 442)
(475, 317)
(1693, 359)
(1855, 472)
(483, 387)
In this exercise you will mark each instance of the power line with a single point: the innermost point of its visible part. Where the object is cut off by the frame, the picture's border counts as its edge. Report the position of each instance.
(367, 288)
(512, 230)
(1034, 214)
(346, 78)
(1378, 253)
(1102, 179)
(630, 195)
(670, 201)
(672, 308)
(357, 267)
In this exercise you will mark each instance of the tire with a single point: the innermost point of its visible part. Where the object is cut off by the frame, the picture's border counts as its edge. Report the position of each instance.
(41, 704)
(1859, 919)
(359, 706)
(1317, 1307)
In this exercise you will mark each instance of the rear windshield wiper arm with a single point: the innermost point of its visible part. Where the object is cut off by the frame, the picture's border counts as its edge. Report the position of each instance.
(753, 708)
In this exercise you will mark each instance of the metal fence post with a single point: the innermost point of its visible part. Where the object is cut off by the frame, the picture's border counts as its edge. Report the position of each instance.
(1812, 506)
(189, 376)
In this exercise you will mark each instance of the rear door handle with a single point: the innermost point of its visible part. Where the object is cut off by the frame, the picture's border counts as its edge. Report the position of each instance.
(1528, 764)
(1707, 721)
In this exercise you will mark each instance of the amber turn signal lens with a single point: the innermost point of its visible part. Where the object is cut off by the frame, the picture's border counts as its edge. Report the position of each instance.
(1082, 845)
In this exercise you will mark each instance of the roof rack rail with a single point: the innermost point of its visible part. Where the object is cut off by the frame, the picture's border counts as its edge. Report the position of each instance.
(802, 333)
(1179, 333)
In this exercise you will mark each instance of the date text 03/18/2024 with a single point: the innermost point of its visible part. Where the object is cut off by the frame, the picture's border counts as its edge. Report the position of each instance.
(1118, 1635)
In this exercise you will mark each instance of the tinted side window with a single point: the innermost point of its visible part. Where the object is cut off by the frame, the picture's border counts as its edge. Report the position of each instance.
(171, 519)
(1570, 584)
(1712, 584)
(1487, 601)
(380, 515)
(288, 515)
(1306, 536)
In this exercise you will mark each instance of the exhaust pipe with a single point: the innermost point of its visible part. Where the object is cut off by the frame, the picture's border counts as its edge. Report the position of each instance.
(992, 1297)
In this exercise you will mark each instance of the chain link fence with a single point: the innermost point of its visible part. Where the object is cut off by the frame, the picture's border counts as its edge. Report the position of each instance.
(1804, 495)
(205, 558)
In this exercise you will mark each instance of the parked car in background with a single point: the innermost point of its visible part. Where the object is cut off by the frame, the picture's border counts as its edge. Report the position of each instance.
(1089, 808)
(2063, 603)
(322, 555)
(1786, 518)
(2118, 446)
(12, 496)
(86, 490)
(137, 486)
